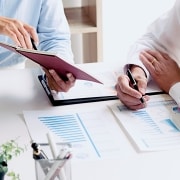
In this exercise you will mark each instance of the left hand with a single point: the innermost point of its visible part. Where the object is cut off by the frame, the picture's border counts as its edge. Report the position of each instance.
(163, 69)
(56, 83)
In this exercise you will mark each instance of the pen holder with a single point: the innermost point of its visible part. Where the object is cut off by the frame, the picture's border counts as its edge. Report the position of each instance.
(53, 169)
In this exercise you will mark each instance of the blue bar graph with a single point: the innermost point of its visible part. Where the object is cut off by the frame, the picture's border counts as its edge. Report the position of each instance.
(70, 128)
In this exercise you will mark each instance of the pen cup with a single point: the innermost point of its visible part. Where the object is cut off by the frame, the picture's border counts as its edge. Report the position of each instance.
(53, 169)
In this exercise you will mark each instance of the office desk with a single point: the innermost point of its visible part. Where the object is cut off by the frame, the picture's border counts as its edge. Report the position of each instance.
(26, 93)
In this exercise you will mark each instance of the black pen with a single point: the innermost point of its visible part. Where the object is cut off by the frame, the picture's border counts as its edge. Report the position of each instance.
(133, 82)
(33, 44)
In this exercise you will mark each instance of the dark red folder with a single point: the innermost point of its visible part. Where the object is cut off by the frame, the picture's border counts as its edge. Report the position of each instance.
(51, 61)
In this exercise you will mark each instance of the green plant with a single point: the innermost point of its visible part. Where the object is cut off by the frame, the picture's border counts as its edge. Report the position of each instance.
(8, 150)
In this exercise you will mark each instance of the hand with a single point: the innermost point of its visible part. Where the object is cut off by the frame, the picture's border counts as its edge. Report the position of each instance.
(56, 83)
(163, 69)
(18, 31)
(129, 96)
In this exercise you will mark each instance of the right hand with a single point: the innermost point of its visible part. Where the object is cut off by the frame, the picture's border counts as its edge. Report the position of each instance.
(129, 96)
(18, 31)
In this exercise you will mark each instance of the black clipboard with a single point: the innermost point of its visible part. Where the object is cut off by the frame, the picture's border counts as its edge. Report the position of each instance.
(55, 102)
(71, 101)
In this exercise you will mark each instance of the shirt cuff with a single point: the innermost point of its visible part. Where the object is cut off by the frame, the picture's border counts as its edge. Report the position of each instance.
(145, 71)
(174, 93)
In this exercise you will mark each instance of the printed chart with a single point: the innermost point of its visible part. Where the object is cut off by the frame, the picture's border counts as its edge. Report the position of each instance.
(93, 133)
(151, 128)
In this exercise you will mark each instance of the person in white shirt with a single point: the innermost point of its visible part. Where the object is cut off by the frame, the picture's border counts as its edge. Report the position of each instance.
(155, 55)
(45, 22)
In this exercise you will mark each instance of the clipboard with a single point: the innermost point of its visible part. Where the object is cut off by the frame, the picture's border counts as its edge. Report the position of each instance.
(55, 102)
(51, 61)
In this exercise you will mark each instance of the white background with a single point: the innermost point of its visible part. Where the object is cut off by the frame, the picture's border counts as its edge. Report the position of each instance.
(124, 21)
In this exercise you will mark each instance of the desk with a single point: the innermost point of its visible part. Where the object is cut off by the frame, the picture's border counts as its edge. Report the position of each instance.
(27, 94)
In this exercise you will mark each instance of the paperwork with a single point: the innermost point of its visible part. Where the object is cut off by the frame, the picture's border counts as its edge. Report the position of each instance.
(93, 132)
(152, 128)
(87, 89)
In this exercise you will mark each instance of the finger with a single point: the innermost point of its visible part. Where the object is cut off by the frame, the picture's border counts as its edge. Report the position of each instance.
(148, 60)
(49, 79)
(137, 107)
(13, 32)
(149, 57)
(58, 83)
(32, 32)
(71, 79)
(142, 85)
(25, 37)
(22, 34)
(13, 36)
(131, 102)
(155, 54)
(123, 83)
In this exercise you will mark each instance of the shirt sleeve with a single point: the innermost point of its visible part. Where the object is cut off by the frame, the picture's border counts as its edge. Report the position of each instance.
(174, 93)
(53, 30)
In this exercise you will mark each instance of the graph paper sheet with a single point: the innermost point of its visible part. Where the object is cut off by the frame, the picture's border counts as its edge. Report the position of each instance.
(152, 128)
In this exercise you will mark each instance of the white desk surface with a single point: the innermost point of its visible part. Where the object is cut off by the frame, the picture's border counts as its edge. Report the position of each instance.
(21, 91)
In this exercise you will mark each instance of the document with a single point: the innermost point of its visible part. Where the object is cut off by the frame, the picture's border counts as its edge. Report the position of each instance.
(92, 132)
(85, 91)
(152, 128)
(51, 61)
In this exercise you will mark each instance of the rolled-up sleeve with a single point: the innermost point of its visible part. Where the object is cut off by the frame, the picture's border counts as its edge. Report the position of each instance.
(162, 35)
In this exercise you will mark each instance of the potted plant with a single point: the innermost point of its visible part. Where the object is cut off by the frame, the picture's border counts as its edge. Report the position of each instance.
(8, 150)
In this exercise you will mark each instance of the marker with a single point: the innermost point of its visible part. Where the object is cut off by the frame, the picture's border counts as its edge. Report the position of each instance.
(37, 152)
(133, 82)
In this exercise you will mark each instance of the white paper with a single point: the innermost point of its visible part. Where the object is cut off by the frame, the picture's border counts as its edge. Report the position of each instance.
(84, 89)
(152, 128)
(93, 132)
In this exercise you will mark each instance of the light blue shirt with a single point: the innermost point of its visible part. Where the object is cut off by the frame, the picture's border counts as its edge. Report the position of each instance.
(47, 17)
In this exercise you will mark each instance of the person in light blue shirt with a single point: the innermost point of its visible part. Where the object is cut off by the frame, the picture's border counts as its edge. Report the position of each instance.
(46, 23)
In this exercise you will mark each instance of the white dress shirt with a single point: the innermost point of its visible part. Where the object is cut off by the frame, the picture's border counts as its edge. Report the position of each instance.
(163, 35)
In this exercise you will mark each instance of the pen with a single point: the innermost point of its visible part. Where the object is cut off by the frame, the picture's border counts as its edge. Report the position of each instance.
(133, 82)
(155, 93)
(33, 44)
